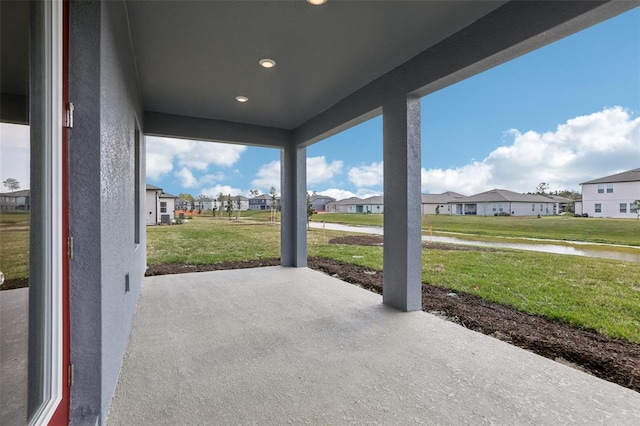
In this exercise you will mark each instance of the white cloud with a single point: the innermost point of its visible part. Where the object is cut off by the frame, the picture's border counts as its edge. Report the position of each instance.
(186, 177)
(225, 189)
(367, 175)
(318, 171)
(465, 180)
(161, 153)
(341, 194)
(581, 149)
(267, 176)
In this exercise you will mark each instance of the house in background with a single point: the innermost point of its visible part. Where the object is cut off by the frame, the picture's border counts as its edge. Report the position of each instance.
(374, 204)
(159, 206)
(561, 204)
(152, 204)
(167, 208)
(263, 202)
(205, 203)
(319, 202)
(182, 204)
(240, 202)
(444, 203)
(501, 202)
(16, 201)
(612, 196)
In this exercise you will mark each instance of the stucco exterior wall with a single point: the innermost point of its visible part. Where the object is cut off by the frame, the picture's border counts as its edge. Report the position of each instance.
(430, 208)
(150, 211)
(169, 209)
(623, 193)
(103, 87)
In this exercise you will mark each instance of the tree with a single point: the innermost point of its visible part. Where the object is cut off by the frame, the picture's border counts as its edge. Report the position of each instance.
(201, 199)
(229, 206)
(542, 188)
(254, 192)
(11, 184)
(310, 210)
(636, 205)
(238, 206)
(272, 194)
(189, 198)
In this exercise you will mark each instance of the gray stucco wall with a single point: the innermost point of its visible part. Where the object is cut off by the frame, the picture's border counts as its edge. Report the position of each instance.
(103, 88)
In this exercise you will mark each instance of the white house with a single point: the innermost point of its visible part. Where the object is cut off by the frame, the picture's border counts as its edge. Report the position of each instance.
(159, 206)
(240, 202)
(501, 202)
(166, 207)
(263, 202)
(152, 202)
(373, 204)
(319, 202)
(444, 203)
(612, 196)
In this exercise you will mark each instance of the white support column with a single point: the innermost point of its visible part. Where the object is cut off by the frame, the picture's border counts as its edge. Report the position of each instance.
(402, 286)
(293, 230)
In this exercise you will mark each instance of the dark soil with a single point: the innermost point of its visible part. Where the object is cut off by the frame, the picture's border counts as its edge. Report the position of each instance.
(615, 360)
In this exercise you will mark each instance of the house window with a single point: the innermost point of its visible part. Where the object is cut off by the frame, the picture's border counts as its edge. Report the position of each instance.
(633, 207)
(540, 207)
(623, 207)
(533, 207)
(600, 189)
(609, 188)
(494, 207)
(598, 208)
(163, 206)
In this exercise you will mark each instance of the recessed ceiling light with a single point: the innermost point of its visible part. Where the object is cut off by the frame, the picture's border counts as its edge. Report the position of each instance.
(242, 99)
(267, 63)
(316, 2)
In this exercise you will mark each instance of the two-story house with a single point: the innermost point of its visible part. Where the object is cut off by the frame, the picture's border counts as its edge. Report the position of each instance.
(612, 196)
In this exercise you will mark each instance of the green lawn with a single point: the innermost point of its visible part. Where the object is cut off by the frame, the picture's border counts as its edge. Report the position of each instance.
(596, 230)
(597, 294)
(14, 245)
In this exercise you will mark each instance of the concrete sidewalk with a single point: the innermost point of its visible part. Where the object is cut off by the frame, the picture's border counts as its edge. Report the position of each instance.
(284, 345)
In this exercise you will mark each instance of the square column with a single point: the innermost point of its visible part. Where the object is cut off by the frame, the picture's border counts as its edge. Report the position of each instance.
(402, 287)
(293, 230)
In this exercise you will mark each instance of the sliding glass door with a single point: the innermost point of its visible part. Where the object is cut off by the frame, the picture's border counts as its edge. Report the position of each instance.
(32, 348)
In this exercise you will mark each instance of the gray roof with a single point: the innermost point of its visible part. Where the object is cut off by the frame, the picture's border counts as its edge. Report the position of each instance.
(351, 200)
(167, 195)
(559, 199)
(629, 176)
(21, 193)
(321, 197)
(376, 199)
(502, 195)
(153, 188)
(444, 198)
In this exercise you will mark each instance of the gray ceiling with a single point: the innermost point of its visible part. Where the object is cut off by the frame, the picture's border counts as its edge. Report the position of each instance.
(194, 58)
(335, 63)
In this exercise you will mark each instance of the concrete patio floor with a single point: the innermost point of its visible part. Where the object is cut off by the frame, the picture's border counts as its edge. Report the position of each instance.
(285, 345)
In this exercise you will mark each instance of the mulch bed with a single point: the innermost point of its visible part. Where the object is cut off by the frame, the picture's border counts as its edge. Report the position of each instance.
(615, 360)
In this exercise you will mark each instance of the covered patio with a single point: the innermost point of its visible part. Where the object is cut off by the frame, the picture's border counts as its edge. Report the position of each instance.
(283, 345)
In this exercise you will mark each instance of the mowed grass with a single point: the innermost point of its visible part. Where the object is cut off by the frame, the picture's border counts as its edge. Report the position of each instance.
(595, 230)
(595, 294)
(14, 245)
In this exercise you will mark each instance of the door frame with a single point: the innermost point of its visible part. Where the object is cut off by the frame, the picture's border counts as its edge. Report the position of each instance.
(55, 411)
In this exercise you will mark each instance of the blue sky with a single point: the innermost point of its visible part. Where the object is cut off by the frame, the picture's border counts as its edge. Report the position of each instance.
(564, 114)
